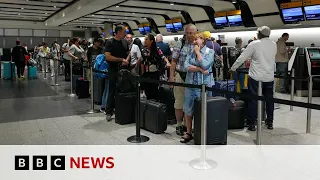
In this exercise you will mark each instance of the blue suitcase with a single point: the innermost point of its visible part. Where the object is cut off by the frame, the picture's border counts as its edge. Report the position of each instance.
(228, 85)
(32, 72)
(9, 70)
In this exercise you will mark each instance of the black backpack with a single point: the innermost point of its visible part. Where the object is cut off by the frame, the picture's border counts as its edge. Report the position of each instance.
(125, 81)
(233, 54)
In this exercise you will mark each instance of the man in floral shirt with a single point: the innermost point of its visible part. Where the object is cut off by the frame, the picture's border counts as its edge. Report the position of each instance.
(178, 73)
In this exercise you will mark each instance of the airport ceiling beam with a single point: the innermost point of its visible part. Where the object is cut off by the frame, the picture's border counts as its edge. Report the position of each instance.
(79, 9)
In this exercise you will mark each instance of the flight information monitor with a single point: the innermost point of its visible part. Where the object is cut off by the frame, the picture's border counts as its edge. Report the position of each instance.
(147, 29)
(312, 12)
(235, 20)
(293, 14)
(221, 21)
(314, 54)
(177, 26)
(169, 27)
(141, 30)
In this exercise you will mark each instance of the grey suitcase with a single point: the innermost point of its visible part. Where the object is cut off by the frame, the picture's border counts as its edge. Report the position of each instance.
(217, 121)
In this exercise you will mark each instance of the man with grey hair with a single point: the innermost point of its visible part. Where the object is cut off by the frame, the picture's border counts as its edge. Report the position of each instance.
(178, 74)
(262, 53)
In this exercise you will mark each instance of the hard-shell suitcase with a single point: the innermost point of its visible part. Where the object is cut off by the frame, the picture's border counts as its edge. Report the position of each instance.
(217, 121)
(74, 82)
(125, 108)
(237, 115)
(82, 88)
(153, 116)
(98, 88)
(166, 97)
(9, 70)
(32, 72)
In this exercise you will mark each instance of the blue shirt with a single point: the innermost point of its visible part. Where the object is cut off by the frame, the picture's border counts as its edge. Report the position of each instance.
(164, 48)
(180, 54)
(206, 64)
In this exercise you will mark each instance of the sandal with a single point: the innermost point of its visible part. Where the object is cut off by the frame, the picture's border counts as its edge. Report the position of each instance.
(186, 138)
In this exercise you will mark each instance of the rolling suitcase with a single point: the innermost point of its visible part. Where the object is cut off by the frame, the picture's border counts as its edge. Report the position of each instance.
(82, 88)
(153, 116)
(125, 108)
(32, 72)
(98, 88)
(9, 70)
(217, 121)
(74, 82)
(237, 115)
(166, 97)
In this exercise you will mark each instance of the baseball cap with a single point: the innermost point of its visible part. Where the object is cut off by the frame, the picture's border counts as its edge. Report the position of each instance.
(206, 34)
(264, 30)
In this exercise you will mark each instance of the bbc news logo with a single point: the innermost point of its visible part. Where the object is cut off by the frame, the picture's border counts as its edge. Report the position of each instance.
(59, 163)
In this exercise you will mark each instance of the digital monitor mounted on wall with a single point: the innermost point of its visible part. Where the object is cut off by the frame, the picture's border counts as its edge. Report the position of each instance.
(293, 14)
(312, 12)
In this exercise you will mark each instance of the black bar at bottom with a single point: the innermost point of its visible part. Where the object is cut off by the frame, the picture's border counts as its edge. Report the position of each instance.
(138, 138)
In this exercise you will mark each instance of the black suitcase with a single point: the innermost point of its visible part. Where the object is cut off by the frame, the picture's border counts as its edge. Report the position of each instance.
(153, 116)
(74, 82)
(237, 115)
(82, 88)
(98, 89)
(125, 108)
(217, 121)
(166, 97)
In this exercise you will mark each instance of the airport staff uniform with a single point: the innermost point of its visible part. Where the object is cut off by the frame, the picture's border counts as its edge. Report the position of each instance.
(262, 53)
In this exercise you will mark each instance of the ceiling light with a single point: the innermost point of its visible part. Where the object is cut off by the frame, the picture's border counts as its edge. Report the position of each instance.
(22, 8)
(179, 12)
(39, 18)
(19, 14)
(54, 6)
(171, 4)
(234, 1)
(92, 14)
(77, 20)
(109, 19)
(144, 18)
(91, 23)
(46, 13)
(133, 13)
(117, 6)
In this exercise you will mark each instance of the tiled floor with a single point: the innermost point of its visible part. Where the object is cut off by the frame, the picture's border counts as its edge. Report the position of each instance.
(43, 114)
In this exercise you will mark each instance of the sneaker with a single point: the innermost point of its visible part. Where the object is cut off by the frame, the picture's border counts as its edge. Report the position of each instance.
(103, 110)
(270, 125)
(22, 77)
(109, 117)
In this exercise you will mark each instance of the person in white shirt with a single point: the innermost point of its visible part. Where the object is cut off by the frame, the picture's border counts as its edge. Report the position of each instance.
(262, 53)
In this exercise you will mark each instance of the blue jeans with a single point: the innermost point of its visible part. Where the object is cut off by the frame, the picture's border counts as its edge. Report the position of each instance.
(238, 76)
(267, 91)
(191, 94)
(105, 93)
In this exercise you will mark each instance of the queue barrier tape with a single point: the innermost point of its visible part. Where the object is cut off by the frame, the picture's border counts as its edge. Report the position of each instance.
(230, 93)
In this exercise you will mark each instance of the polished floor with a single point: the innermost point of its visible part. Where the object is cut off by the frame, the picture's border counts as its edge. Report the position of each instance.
(34, 112)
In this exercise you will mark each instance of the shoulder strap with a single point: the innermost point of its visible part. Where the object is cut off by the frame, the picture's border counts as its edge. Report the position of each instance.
(207, 50)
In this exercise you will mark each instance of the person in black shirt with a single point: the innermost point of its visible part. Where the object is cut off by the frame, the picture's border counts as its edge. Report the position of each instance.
(18, 57)
(92, 53)
(117, 54)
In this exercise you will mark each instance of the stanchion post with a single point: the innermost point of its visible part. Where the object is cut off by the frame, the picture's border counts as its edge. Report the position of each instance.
(71, 93)
(45, 68)
(55, 64)
(92, 110)
(259, 114)
(292, 88)
(309, 101)
(138, 138)
(203, 163)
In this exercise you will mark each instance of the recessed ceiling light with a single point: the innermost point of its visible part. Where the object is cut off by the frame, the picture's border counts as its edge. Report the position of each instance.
(92, 14)
(65, 24)
(91, 23)
(22, 8)
(234, 1)
(144, 18)
(46, 13)
(171, 4)
(117, 6)
(133, 13)
(109, 19)
(54, 6)
(19, 14)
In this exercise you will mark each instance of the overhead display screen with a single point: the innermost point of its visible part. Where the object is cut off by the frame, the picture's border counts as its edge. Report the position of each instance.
(221, 21)
(312, 12)
(293, 14)
(169, 27)
(141, 30)
(235, 20)
(147, 29)
(177, 26)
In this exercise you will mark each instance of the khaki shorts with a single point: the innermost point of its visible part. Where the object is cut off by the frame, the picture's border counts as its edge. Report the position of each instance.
(178, 92)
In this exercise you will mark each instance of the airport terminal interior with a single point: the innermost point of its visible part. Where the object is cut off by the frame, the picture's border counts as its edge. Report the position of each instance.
(36, 111)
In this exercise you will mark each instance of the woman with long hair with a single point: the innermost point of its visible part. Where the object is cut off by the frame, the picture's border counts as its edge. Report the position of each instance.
(136, 56)
(153, 62)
